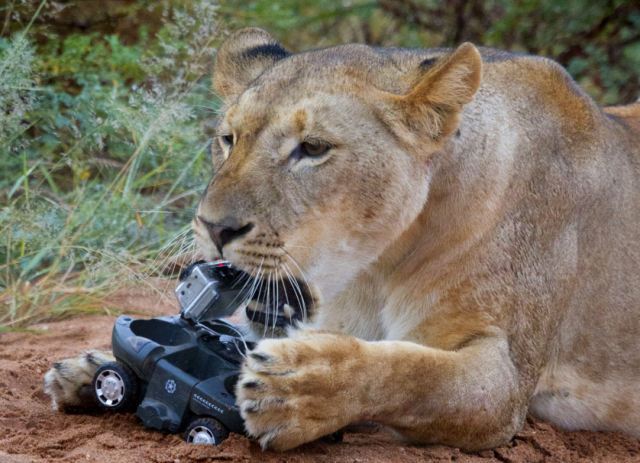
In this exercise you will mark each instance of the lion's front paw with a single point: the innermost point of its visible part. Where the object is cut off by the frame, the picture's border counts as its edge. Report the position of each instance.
(68, 382)
(293, 391)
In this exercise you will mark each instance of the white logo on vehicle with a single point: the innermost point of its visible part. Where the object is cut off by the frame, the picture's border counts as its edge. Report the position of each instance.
(170, 386)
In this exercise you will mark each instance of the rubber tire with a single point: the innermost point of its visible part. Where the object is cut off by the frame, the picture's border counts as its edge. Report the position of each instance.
(131, 387)
(219, 431)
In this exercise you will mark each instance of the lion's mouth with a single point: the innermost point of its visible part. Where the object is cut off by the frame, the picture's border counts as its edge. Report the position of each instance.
(277, 302)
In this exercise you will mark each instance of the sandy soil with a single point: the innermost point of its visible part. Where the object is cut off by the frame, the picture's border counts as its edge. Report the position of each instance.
(32, 432)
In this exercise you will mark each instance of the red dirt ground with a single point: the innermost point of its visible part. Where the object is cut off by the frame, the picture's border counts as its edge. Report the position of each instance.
(32, 432)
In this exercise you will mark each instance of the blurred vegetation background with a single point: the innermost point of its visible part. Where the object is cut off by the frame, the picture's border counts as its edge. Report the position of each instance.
(105, 110)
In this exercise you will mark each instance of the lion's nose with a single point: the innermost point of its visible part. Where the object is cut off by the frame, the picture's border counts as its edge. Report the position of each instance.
(225, 231)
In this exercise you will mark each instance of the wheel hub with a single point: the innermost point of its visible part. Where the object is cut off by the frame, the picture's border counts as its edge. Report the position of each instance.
(201, 435)
(110, 388)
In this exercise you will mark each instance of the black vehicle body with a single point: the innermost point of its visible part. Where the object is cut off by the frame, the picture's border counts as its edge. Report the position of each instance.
(184, 370)
(180, 371)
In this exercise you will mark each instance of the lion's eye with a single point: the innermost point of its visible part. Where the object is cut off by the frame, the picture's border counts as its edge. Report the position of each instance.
(314, 149)
(227, 140)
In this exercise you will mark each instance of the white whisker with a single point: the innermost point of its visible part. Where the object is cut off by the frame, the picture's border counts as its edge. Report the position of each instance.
(277, 301)
(305, 281)
(261, 281)
(254, 283)
(296, 291)
(266, 308)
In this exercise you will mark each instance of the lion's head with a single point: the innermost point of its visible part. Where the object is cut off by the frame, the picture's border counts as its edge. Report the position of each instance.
(322, 159)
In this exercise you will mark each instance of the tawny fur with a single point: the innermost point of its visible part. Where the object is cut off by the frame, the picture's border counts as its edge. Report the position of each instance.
(471, 239)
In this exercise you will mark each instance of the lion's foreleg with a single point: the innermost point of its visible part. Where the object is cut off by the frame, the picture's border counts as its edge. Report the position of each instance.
(296, 390)
(469, 398)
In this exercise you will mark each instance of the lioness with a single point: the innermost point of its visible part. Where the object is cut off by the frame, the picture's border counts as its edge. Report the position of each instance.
(466, 223)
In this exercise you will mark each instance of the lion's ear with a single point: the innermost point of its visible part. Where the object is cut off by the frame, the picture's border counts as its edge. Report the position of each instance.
(434, 102)
(242, 58)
